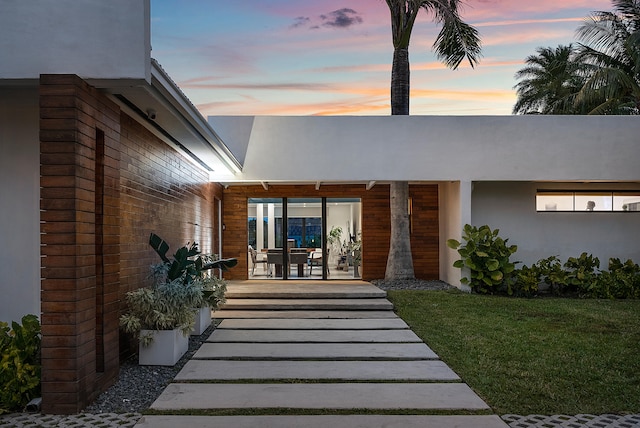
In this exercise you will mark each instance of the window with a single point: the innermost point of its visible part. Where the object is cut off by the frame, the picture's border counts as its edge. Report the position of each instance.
(587, 201)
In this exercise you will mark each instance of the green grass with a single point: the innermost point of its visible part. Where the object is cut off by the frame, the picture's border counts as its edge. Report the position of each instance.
(524, 356)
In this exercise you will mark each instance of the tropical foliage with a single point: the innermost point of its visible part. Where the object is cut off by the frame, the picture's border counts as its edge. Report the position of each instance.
(180, 286)
(580, 276)
(549, 83)
(19, 363)
(488, 269)
(601, 75)
(487, 256)
(611, 49)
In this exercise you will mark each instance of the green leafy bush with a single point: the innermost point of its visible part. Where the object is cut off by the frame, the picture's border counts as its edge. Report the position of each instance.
(527, 281)
(621, 281)
(487, 257)
(580, 276)
(553, 274)
(20, 363)
(582, 272)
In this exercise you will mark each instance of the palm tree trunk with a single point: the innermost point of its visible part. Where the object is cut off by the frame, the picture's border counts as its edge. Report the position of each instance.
(400, 260)
(400, 82)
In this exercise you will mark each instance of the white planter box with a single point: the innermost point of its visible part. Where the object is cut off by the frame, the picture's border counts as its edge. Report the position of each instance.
(165, 350)
(203, 321)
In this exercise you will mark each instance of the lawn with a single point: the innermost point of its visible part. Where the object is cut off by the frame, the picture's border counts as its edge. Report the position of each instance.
(534, 356)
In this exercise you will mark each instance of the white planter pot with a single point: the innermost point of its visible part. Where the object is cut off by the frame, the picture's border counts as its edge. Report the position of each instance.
(165, 350)
(203, 321)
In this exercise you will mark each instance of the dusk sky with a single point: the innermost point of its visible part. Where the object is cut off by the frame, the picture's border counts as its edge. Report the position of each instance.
(333, 57)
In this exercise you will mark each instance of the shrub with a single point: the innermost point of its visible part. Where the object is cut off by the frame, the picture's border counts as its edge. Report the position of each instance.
(553, 274)
(621, 281)
(487, 257)
(19, 363)
(582, 272)
(527, 280)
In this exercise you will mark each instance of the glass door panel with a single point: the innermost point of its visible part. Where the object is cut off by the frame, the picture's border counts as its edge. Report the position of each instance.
(344, 237)
(304, 238)
(265, 237)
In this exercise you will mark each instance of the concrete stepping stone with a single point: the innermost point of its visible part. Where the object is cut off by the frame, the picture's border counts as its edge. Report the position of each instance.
(344, 351)
(217, 370)
(314, 336)
(291, 289)
(312, 304)
(432, 396)
(323, 421)
(298, 314)
(313, 324)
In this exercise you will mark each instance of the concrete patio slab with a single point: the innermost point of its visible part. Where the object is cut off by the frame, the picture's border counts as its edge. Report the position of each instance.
(323, 421)
(308, 314)
(338, 351)
(312, 324)
(303, 289)
(314, 336)
(432, 396)
(216, 370)
(310, 304)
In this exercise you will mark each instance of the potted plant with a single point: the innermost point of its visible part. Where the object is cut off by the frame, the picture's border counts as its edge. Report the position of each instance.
(163, 315)
(194, 269)
(213, 291)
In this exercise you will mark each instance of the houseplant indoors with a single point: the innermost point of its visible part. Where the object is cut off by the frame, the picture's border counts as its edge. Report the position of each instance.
(163, 315)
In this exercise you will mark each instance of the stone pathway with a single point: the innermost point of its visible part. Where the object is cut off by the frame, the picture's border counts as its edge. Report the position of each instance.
(333, 349)
(287, 355)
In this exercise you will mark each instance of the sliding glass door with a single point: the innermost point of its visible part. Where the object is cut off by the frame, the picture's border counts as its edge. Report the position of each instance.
(303, 238)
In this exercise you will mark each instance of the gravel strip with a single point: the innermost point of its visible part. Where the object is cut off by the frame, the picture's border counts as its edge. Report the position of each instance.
(138, 386)
(411, 284)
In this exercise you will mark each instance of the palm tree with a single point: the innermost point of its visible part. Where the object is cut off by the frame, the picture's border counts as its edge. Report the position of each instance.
(455, 42)
(611, 46)
(549, 82)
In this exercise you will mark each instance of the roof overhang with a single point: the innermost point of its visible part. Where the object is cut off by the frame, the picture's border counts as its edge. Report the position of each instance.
(164, 109)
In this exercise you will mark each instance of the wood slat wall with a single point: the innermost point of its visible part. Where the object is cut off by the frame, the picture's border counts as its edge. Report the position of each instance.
(80, 242)
(95, 229)
(375, 224)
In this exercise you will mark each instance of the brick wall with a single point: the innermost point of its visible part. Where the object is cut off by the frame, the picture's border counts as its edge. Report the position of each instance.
(375, 224)
(79, 146)
(107, 183)
(161, 192)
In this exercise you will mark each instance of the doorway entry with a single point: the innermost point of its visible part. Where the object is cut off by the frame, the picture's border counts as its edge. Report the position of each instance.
(304, 238)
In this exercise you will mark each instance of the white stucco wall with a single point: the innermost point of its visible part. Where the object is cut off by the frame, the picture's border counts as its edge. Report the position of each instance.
(19, 204)
(510, 207)
(454, 212)
(440, 148)
(94, 39)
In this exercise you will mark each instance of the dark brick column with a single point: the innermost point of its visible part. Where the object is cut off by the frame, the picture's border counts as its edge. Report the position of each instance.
(80, 253)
